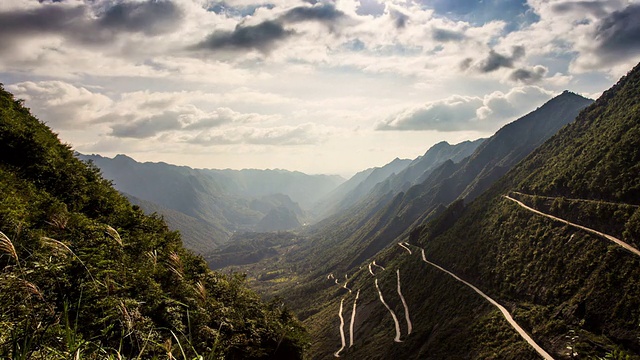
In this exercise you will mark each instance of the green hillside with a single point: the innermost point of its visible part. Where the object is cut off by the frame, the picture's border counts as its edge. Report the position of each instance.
(84, 274)
(577, 293)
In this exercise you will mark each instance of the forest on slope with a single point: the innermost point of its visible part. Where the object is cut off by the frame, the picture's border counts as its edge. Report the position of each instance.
(83, 273)
(575, 292)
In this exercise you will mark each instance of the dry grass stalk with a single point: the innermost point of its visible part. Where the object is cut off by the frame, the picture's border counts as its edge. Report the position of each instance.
(7, 247)
(59, 221)
(62, 246)
(114, 235)
(57, 246)
(168, 347)
(32, 289)
(201, 290)
(128, 320)
(175, 264)
(153, 255)
(175, 260)
(176, 271)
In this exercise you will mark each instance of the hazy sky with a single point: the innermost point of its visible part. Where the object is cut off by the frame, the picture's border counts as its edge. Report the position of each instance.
(316, 86)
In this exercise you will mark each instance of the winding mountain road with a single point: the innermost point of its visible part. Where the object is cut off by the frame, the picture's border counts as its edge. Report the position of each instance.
(337, 353)
(404, 303)
(371, 271)
(502, 309)
(405, 247)
(608, 237)
(576, 199)
(374, 264)
(393, 315)
(345, 287)
(353, 319)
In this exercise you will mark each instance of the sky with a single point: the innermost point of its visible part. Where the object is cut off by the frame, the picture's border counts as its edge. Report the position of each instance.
(318, 86)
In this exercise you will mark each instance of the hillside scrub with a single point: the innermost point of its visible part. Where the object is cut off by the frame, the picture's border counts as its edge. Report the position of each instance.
(83, 272)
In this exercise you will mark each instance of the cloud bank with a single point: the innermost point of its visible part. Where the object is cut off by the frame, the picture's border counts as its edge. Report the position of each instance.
(458, 113)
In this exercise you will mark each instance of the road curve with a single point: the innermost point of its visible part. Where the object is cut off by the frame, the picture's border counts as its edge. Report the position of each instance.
(371, 271)
(393, 315)
(345, 287)
(576, 199)
(405, 247)
(337, 353)
(353, 319)
(374, 264)
(404, 303)
(502, 309)
(608, 237)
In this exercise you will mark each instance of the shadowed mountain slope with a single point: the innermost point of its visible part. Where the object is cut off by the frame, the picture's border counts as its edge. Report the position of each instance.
(577, 293)
(349, 238)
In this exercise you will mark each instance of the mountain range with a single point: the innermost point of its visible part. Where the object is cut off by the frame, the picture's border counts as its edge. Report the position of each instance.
(522, 245)
(540, 230)
(216, 202)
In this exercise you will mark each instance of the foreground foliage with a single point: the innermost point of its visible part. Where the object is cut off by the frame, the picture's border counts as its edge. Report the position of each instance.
(83, 273)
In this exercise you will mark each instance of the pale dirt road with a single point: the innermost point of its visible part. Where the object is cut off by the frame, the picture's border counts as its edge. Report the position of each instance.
(393, 315)
(353, 319)
(337, 353)
(404, 303)
(405, 247)
(582, 200)
(502, 309)
(608, 237)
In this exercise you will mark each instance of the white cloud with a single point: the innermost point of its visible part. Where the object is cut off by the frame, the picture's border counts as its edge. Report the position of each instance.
(62, 105)
(141, 78)
(303, 134)
(459, 113)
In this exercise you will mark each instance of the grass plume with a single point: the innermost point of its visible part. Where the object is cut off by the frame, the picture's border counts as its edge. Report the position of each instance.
(114, 235)
(7, 247)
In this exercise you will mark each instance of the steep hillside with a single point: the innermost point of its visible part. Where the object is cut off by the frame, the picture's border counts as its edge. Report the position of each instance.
(554, 260)
(197, 235)
(348, 239)
(278, 218)
(420, 168)
(358, 187)
(84, 274)
(396, 177)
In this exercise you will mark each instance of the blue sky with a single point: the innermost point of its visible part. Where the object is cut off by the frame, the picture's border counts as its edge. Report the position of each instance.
(317, 86)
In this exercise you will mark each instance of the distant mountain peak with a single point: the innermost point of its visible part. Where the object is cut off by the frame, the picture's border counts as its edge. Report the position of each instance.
(123, 157)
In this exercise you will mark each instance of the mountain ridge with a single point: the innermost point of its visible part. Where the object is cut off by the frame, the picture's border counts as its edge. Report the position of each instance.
(575, 292)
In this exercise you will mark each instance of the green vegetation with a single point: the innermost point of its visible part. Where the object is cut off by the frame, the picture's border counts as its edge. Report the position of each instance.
(577, 294)
(567, 287)
(84, 274)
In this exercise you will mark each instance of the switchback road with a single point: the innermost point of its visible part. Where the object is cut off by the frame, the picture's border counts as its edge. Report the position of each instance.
(608, 237)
